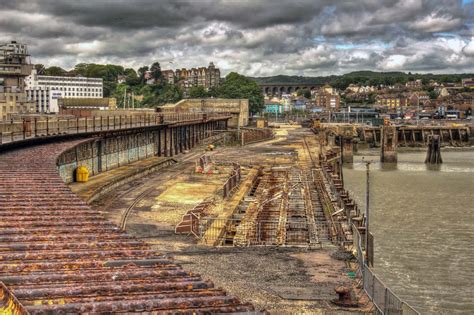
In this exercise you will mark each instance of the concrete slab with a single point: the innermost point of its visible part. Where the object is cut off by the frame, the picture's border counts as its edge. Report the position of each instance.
(104, 182)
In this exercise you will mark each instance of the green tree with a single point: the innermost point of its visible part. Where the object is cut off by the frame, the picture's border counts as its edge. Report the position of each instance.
(131, 77)
(141, 73)
(40, 69)
(213, 92)
(56, 71)
(239, 86)
(198, 92)
(170, 93)
(156, 71)
(304, 92)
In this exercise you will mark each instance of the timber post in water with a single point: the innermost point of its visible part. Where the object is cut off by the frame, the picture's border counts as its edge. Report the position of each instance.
(388, 152)
(433, 155)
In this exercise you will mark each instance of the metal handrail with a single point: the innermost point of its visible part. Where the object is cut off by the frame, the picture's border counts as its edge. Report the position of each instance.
(18, 130)
(384, 299)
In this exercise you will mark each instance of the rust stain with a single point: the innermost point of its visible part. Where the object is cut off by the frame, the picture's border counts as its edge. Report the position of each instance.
(57, 255)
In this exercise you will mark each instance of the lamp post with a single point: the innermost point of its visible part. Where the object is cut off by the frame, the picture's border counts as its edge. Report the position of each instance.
(367, 213)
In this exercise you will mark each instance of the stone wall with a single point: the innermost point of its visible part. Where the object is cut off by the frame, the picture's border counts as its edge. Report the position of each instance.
(105, 154)
(239, 108)
(121, 147)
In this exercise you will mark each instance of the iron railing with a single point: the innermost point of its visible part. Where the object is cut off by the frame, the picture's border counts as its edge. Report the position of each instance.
(16, 130)
(233, 181)
(386, 302)
(238, 232)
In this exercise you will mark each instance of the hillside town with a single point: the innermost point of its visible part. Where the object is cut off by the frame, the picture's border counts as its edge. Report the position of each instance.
(413, 100)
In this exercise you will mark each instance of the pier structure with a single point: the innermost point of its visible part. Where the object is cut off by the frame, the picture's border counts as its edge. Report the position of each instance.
(388, 151)
(415, 136)
(433, 155)
(389, 138)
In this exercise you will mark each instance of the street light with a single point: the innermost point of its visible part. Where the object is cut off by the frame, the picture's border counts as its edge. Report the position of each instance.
(367, 203)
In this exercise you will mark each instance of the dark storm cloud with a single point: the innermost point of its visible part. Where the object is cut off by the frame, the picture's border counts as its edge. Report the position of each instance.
(264, 37)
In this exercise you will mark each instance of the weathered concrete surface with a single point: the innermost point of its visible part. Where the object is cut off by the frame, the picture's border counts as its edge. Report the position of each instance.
(238, 108)
(105, 182)
(267, 276)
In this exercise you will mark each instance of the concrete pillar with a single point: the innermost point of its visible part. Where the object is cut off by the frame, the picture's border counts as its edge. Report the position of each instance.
(347, 149)
(346, 144)
(433, 155)
(389, 137)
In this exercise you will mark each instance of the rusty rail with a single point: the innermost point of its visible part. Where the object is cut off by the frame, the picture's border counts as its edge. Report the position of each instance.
(9, 304)
(60, 256)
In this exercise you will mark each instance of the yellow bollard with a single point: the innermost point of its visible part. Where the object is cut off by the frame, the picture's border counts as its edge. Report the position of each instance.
(82, 174)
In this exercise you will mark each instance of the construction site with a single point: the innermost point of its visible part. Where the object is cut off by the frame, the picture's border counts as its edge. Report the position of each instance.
(254, 219)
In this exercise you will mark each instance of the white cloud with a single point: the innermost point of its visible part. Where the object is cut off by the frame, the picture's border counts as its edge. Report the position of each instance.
(468, 50)
(257, 38)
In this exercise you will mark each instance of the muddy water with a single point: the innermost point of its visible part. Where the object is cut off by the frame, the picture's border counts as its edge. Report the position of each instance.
(422, 219)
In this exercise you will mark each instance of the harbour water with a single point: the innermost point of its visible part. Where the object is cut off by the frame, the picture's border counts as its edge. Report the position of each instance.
(422, 219)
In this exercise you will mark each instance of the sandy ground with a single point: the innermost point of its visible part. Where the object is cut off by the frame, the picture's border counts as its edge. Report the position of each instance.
(280, 280)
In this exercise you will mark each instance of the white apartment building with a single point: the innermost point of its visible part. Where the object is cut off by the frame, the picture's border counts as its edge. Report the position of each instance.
(46, 90)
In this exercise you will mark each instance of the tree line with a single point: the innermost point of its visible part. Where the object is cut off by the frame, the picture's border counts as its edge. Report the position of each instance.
(159, 92)
(371, 78)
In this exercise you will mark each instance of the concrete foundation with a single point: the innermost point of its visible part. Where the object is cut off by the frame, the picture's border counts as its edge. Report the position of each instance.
(388, 152)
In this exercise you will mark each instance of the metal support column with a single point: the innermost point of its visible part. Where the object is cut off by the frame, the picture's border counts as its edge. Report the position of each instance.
(158, 144)
(176, 140)
(171, 141)
(181, 139)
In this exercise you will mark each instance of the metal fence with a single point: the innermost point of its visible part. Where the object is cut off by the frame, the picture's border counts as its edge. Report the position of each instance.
(232, 181)
(234, 231)
(385, 301)
(15, 130)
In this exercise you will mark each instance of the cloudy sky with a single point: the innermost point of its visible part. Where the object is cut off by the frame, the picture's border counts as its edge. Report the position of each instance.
(253, 37)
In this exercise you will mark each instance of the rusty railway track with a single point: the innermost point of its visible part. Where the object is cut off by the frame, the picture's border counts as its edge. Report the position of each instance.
(59, 256)
(287, 209)
(126, 215)
(128, 211)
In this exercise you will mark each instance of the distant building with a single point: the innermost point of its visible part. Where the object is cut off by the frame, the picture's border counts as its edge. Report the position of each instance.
(417, 98)
(272, 107)
(46, 90)
(168, 76)
(391, 101)
(14, 67)
(188, 78)
(327, 100)
(328, 89)
(300, 103)
(83, 107)
(468, 82)
(121, 78)
(206, 77)
(416, 84)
